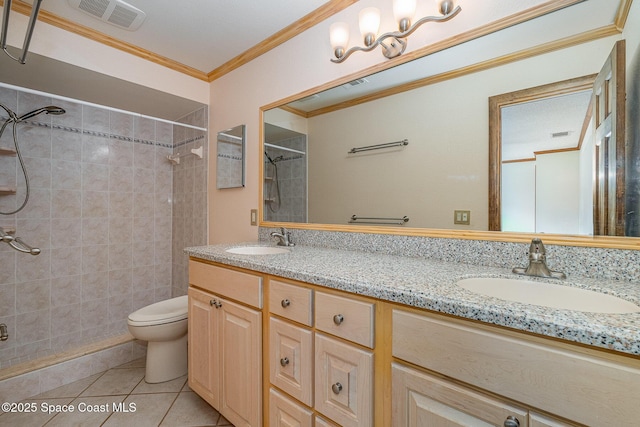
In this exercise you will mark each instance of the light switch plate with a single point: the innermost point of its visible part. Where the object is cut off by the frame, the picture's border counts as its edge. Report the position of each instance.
(462, 217)
(254, 216)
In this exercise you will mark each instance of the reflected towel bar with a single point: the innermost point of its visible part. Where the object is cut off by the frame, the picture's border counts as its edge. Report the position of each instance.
(372, 220)
(379, 146)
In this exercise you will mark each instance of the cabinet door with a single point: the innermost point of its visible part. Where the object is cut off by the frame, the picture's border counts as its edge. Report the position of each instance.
(291, 360)
(419, 399)
(285, 413)
(344, 382)
(240, 332)
(203, 354)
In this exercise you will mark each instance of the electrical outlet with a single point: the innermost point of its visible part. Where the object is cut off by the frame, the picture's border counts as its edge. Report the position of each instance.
(462, 217)
(254, 216)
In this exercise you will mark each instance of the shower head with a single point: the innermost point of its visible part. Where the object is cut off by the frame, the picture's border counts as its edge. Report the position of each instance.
(51, 109)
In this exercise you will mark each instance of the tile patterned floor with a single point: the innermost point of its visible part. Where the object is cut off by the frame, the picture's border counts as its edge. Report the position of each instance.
(95, 400)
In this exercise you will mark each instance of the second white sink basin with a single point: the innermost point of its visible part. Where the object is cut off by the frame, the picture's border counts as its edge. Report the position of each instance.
(258, 250)
(548, 295)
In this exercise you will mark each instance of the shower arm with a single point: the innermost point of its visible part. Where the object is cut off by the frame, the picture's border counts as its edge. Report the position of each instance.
(35, 9)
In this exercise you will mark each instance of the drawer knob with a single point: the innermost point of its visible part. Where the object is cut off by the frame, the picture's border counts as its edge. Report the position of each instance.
(284, 361)
(338, 319)
(336, 388)
(511, 421)
(285, 303)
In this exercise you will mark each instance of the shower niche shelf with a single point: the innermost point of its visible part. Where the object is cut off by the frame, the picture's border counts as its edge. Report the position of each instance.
(5, 191)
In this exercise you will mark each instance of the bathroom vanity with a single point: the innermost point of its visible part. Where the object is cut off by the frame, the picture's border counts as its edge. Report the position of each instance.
(327, 337)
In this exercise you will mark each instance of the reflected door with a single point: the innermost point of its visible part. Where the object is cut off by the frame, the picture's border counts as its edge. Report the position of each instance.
(609, 156)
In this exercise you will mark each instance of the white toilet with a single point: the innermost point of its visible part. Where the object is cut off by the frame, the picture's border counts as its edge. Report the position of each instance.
(164, 326)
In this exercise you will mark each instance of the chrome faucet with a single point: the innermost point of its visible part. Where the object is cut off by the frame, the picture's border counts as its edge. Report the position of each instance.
(284, 237)
(537, 263)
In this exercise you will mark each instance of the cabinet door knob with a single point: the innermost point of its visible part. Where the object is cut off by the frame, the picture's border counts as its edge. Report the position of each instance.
(284, 361)
(212, 302)
(338, 319)
(511, 421)
(336, 388)
(285, 303)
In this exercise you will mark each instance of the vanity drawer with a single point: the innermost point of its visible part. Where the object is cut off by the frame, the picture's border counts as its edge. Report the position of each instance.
(291, 302)
(549, 377)
(236, 285)
(284, 412)
(291, 359)
(345, 317)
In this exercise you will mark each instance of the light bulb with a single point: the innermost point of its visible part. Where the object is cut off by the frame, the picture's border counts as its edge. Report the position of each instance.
(339, 37)
(403, 11)
(369, 24)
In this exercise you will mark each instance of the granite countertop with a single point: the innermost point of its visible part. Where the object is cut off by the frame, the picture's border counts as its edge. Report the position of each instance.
(429, 284)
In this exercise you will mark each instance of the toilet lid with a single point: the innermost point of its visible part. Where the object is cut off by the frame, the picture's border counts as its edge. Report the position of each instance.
(166, 311)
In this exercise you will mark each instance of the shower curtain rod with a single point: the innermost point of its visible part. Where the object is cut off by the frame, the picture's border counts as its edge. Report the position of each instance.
(35, 9)
(90, 104)
(266, 144)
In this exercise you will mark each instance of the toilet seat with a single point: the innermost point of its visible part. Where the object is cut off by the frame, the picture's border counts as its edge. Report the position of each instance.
(168, 311)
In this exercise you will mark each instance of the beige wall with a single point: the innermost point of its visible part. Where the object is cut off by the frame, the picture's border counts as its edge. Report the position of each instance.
(444, 167)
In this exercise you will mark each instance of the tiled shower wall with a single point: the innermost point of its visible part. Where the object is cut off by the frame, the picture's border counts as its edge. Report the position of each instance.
(189, 196)
(292, 179)
(100, 210)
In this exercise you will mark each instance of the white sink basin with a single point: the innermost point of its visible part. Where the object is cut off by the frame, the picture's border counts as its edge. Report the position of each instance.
(548, 295)
(258, 250)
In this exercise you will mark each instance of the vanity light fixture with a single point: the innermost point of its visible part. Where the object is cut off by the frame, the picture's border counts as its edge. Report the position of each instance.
(392, 43)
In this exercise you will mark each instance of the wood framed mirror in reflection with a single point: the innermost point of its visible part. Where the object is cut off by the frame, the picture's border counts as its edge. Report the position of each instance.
(443, 173)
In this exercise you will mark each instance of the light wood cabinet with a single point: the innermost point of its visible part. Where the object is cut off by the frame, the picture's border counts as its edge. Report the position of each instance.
(285, 413)
(420, 399)
(291, 302)
(345, 317)
(291, 360)
(336, 359)
(331, 376)
(344, 382)
(587, 387)
(225, 355)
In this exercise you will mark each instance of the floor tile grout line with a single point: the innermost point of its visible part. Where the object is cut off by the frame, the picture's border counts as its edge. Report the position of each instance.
(169, 409)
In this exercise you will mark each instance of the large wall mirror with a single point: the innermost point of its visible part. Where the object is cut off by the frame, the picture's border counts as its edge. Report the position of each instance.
(432, 172)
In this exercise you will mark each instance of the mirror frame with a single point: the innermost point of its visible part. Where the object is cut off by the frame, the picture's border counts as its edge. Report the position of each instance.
(496, 103)
(613, 242)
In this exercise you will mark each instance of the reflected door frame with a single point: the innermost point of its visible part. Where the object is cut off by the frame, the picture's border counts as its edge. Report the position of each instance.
(496, 103)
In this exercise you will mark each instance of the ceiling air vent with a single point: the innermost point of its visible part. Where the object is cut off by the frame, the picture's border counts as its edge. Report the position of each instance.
(560, 134)
(309, 98)
(115, 12)
(356, 82)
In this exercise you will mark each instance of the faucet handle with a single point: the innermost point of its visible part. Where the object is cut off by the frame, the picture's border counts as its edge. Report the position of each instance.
(537, 252)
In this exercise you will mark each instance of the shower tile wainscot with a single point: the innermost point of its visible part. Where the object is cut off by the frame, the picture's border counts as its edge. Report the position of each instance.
(111, 216)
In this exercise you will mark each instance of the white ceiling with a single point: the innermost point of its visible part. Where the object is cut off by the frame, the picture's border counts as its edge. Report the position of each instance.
(203, 34)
